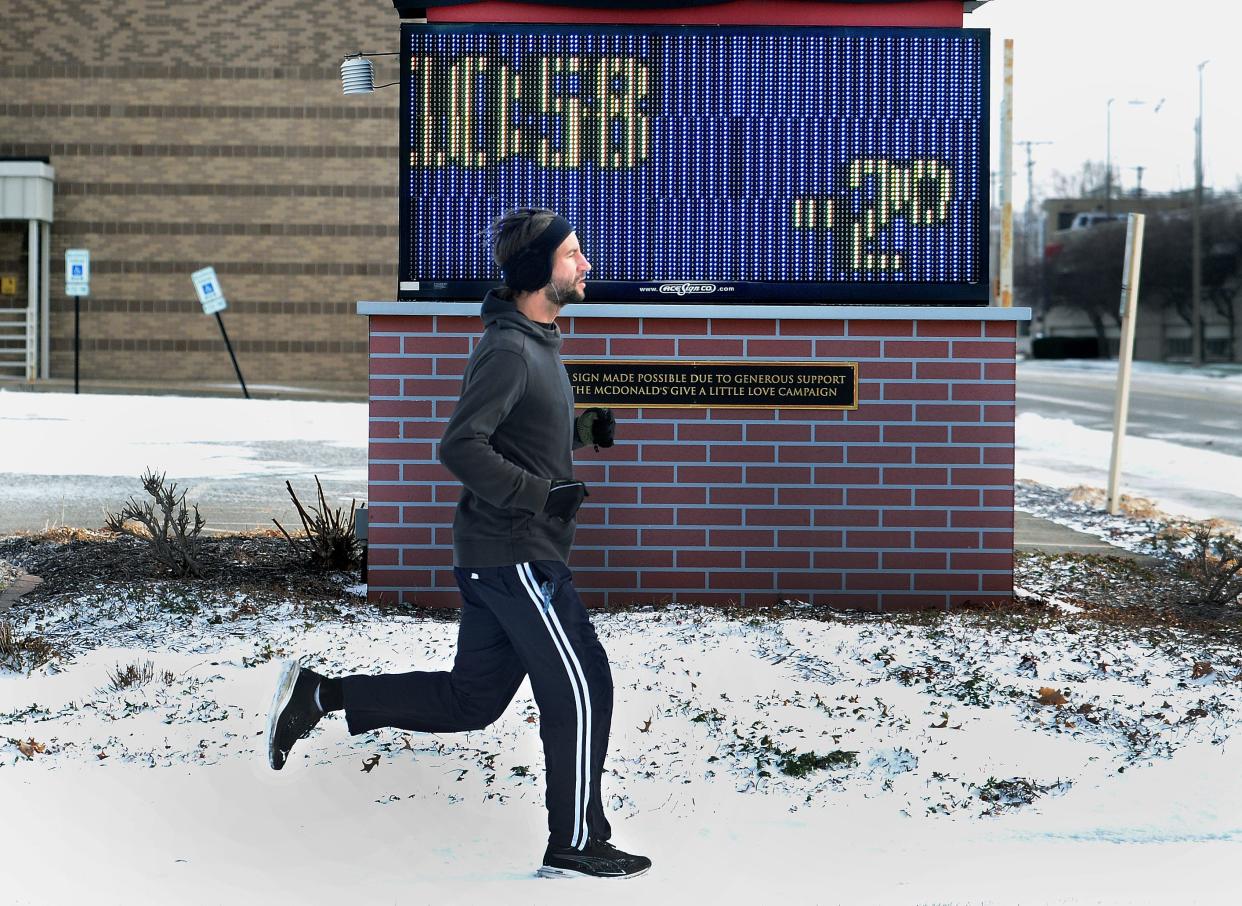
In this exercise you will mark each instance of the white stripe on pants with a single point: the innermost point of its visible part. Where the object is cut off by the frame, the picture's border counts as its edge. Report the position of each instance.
(582, 701)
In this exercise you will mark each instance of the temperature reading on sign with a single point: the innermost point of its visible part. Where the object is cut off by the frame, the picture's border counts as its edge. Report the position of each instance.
(710, 164)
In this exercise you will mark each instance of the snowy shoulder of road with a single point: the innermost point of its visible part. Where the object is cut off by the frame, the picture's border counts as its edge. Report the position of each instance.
(1181, 480)
(192, 437)
(1225, 377)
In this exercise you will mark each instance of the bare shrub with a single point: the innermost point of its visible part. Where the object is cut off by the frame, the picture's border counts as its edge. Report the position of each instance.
(164, 522)
(1213, 567)
(329, 541)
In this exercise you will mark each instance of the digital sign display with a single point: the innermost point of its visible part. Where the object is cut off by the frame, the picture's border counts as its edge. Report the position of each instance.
(719, 165)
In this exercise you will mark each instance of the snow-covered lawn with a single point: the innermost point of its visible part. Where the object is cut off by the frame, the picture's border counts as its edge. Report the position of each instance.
(807, 757)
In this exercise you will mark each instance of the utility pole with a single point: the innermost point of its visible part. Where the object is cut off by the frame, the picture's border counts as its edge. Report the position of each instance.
(1196, 239)
(1029, 214)
(1005, 294)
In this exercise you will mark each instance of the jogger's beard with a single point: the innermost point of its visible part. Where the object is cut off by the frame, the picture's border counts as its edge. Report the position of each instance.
(562, 294)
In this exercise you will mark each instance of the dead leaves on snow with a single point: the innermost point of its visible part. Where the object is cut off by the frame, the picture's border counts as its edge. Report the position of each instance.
(29, 747)
(944, 723)
(1051, 696)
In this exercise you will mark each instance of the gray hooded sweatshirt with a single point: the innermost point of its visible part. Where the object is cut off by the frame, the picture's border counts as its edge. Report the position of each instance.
(511, 434)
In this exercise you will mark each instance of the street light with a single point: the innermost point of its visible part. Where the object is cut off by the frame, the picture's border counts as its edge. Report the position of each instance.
(1108, 157)
(1108, 152)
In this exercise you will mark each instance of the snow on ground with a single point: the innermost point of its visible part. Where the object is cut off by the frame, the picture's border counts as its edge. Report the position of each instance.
(852, 760)
(44, 434)
(1183, 479)
(1057, 452)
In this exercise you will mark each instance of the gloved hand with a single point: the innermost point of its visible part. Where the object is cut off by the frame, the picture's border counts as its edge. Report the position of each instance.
(564, 498)
(596, 426)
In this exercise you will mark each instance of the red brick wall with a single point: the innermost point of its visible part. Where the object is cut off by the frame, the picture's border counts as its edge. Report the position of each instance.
(905, 502)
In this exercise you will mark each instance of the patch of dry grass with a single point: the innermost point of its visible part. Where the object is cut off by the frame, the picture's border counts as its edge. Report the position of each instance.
(25, 652)
(135, 675)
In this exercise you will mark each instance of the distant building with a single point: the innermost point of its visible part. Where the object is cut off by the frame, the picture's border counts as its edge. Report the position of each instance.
(181, 139)
(1061, 213)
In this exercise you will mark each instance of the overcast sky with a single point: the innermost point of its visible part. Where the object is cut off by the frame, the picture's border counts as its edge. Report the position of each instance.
(1071, 56)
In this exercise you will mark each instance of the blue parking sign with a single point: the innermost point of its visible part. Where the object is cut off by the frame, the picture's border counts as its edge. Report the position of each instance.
(77, 272)
(210, 293)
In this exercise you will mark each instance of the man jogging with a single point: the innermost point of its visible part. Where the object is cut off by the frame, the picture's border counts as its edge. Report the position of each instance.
(510, 443)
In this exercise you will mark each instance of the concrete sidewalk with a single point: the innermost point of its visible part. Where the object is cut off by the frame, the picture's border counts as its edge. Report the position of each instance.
(1034, 533)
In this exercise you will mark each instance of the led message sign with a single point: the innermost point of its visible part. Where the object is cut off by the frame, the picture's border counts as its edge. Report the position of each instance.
(703, 164)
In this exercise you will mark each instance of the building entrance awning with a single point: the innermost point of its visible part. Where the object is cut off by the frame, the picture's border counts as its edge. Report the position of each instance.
(26, 194)
(26, 190)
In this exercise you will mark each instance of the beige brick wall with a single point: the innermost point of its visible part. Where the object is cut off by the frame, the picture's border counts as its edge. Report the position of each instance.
(168, 130)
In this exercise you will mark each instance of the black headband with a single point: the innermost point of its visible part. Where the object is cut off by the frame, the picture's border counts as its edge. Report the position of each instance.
(530, 267)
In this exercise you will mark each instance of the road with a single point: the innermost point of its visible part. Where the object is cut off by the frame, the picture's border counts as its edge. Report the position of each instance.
(1185, 412)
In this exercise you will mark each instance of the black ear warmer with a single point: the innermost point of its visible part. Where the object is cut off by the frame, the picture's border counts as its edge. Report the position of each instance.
(530, 267)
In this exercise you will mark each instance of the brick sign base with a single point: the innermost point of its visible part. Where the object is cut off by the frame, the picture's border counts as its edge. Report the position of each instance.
(905, 502)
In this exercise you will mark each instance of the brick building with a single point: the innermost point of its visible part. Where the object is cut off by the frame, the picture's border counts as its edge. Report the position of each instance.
(212, 133)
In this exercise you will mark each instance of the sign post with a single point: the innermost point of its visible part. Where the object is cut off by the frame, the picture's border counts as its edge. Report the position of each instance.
(1129, 309)
(211, 297)
(77, 284)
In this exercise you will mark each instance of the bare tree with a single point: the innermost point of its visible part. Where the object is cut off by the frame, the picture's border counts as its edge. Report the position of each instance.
(1086, 182)
(1086, 275)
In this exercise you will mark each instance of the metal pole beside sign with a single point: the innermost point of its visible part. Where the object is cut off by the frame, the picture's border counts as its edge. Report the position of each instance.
(77, 284)
(1125, 353)
(1005, 293)
(211, 297)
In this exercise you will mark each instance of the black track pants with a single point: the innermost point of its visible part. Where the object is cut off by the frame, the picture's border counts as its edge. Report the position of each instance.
(515, 620)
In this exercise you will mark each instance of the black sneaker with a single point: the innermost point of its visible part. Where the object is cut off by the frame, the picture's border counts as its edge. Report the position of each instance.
(598, 860)
(294, 712)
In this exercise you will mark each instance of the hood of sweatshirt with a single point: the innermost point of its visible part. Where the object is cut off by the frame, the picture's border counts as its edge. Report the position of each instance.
(504, 314)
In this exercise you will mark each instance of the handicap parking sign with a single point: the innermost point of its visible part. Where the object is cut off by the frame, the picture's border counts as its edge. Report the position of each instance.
(77, 272)
(207, 285)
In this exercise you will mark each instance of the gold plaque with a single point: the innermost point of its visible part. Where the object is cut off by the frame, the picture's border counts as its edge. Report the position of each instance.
(715, 384)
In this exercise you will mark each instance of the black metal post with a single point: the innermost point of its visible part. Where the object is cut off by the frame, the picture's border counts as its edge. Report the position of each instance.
(77, 309)
(229, 347)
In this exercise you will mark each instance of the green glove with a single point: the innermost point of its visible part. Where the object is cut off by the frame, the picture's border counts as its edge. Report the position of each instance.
(596, 426)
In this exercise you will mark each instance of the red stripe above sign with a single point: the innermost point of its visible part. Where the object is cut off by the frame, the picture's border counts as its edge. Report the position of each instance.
(926, 14)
